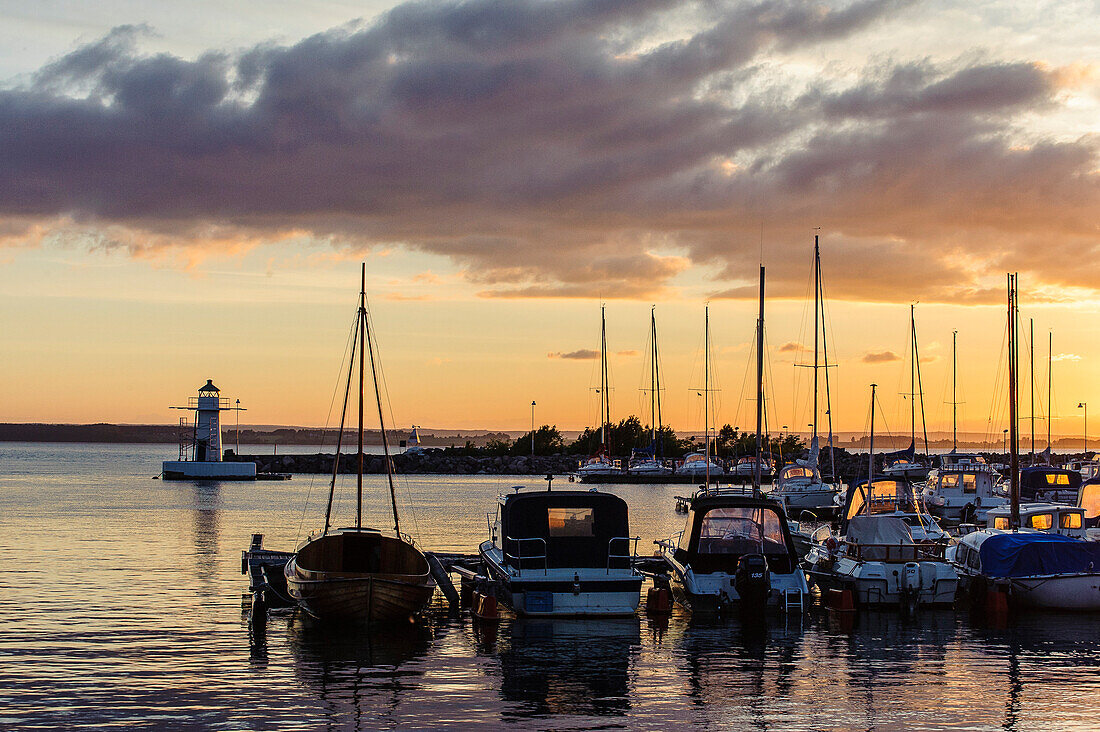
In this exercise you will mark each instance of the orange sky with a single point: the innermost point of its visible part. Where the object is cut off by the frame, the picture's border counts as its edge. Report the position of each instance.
(178, 204)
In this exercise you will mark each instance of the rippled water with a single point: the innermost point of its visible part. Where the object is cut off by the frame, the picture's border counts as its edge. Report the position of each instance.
(121, 605)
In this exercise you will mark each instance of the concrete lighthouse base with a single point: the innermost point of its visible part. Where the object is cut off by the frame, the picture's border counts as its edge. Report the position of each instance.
(194, 470)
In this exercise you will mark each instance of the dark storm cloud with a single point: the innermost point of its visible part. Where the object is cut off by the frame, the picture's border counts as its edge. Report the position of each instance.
(562, 150)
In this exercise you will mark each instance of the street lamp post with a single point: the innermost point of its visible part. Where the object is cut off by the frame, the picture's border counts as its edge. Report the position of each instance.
(532, 428)
(1085, 435)
(1004, 444)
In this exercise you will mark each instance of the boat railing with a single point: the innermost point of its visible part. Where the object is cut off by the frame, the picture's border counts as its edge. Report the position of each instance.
(918, 552)
(532, 557)
(629, 557)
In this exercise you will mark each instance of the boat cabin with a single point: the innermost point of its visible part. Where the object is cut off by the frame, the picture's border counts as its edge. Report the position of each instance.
(1088, 498)
(1044, 483)
(1025, 554)
(797, 475)
(723, 528)
(1052, 518)
(558, 529)
(891, 496)
(960, 460)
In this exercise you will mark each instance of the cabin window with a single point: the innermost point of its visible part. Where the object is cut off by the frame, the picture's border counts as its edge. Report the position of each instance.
(970, 483)
(1000, 522)
(1090, 500)
(741, 531)
(571, 522)
(974, 559)
(1041, 521)
(1070, 521)
(1057, 479)
(949, 481)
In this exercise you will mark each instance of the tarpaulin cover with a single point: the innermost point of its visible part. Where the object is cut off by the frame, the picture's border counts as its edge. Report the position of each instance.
(878, 530)
(1028, 555)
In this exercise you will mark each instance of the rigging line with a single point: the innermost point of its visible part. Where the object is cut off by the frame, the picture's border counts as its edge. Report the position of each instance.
(403, 478)
(348, 344)
(920, 388)
(343, 415)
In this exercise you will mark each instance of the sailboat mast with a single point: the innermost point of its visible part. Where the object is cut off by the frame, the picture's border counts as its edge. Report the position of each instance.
(657, 374)
(653, 381)
(706, 392)
(759, 390)
(954, 396)
(1013, 427)
(362, 327)
(381, 419)
(1050, 407)
(1031, 359)
(825, 353)
(340, 434)
(912, 376)
(870, 455)
(604, 408)
(817, 301)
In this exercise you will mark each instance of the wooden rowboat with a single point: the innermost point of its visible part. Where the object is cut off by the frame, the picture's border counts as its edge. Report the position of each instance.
(359, 574)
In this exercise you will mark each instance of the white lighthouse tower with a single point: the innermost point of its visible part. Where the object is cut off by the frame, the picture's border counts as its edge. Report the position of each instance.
(200, 455)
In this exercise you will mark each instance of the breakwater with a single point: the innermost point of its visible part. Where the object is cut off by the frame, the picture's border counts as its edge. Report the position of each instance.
(412, 463)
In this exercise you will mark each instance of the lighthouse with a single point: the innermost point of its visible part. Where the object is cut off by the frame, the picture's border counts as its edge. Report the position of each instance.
(200, 455)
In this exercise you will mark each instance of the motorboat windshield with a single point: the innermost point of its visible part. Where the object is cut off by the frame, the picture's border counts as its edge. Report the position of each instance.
(723, 530)
(884, 495)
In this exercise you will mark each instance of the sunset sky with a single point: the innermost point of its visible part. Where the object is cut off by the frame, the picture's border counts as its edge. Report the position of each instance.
(187, 189)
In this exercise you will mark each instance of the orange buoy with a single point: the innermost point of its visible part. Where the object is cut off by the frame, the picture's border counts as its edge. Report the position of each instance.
(485, 607)
(658, 601)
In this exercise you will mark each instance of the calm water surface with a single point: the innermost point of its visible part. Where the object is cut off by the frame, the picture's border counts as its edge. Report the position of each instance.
(121, 605)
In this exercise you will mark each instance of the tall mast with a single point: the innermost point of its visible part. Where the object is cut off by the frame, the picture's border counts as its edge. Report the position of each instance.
(656, 374)
(759, 390)
(603, 380)
(920, 386)
(340, 435)
(706, 392)
(378, 401)
(954, 396)
(817, 302)
(870, 455)
(362, 327)
(825, 352)
(1031, 359)
(912, 376)
(1050, 407)
(1014, 459)
(653, 380)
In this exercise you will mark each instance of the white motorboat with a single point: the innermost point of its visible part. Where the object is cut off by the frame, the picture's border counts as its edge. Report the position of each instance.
(646, 464)
(735, 551)
(1052, 518)
(599, 465)
(799, 487)
(695, 465)
(880, 562)
(1038, 568)
(962, 491)
(745, 467)
(1088, 469)
(563, 553)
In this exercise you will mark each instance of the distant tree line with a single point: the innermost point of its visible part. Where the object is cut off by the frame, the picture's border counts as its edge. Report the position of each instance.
(630, 434)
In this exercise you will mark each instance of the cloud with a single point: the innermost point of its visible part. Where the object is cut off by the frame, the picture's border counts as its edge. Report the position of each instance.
(579, 148)
(791, 347)
(437, 361)
(880, 357)
(1066, 357)
(626, 353)
(583, 354)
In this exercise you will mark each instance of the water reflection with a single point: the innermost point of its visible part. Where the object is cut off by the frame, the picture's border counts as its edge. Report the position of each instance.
(205, 510)
(359, 674)
(567, 666)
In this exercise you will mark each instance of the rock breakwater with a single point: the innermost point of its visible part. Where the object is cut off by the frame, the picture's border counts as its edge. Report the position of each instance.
(413, 464)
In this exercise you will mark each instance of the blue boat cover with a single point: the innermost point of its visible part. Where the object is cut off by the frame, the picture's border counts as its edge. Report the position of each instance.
(1028, 555)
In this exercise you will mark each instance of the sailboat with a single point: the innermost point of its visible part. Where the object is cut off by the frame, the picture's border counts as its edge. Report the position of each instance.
(648, 462)
(1036, 568)
(601, 463)
(799, 487)
(359, 573)
(903, 464)
(702, 464)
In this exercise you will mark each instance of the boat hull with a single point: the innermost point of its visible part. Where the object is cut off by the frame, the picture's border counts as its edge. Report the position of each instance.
(1076, 592)
(372, 598)
(564, 592)
(878, 584)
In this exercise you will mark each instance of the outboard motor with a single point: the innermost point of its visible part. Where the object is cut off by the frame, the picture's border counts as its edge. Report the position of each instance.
(752, 582)
(910, 587)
